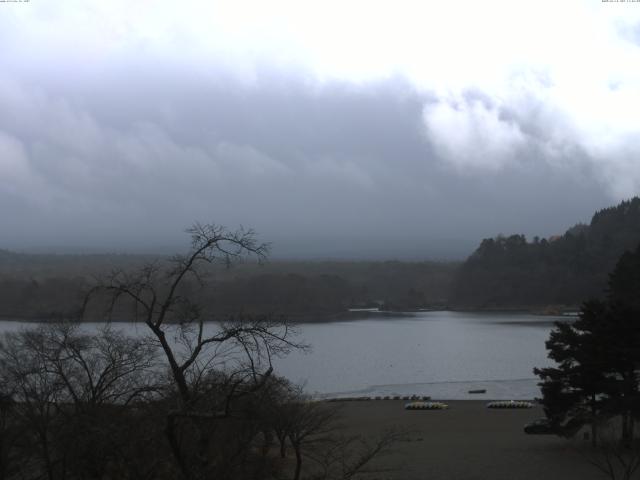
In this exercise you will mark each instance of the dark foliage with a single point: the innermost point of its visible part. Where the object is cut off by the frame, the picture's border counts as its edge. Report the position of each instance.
(46, 286)
(512, 272)
(598, 358)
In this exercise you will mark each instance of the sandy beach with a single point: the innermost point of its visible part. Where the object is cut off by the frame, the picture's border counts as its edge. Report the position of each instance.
(467, 441)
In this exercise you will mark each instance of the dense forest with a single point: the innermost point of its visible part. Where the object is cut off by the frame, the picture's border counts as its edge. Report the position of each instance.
(45, 286)
(511, 272)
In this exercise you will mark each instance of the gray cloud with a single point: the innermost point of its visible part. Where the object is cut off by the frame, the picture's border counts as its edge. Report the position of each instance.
(344, 171)
(124, 149)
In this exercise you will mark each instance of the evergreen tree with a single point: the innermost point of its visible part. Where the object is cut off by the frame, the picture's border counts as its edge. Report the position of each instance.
(598, 358)
(624, 339)
(573, 391)
(508, 271)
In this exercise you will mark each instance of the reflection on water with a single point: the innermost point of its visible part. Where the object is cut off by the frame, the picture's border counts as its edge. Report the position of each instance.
(442, 354)
(522, 389)
(424, 353)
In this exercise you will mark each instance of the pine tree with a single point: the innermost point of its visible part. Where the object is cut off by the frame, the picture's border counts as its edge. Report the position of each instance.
(598, 358)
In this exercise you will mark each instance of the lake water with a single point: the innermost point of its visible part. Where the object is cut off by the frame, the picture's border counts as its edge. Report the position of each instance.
(442, 354)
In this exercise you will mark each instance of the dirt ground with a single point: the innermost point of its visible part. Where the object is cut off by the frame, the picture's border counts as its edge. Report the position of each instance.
(468, 441)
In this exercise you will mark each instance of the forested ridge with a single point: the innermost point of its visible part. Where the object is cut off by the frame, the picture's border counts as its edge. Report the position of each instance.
(511, 272)
(41, 286)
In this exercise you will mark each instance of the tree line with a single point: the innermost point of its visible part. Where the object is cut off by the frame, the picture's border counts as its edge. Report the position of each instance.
(503, 272)
(511, 272)
(38, 287)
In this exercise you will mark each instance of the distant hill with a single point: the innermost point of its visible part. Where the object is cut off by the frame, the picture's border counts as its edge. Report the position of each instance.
(511, 272)
(39, 286)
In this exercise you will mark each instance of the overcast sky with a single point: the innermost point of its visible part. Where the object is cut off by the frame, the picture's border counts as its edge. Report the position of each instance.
(385, 129)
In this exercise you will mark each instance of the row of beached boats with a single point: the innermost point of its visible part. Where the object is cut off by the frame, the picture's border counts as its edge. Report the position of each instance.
(423, 402)
(422, 398)
(420, 405)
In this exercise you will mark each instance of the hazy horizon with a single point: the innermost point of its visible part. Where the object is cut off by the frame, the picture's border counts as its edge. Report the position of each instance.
(285, 250)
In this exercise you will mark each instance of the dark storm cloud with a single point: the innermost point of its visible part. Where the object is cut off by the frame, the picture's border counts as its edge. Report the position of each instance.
(341, 169)
(123, 147)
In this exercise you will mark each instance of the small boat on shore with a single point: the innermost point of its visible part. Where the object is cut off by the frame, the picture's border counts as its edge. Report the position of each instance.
(510, 404)
(426, 406)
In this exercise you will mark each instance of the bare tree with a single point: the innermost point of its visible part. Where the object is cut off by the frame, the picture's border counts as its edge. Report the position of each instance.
(68, 392)
(36, 393)
(157, 295)
(213, 365)
(83, 369)
(309, 424)
(322, 450)
(345, 457)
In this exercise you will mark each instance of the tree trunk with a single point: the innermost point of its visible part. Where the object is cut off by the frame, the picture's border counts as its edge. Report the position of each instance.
(3, 461)
(283, 446)
(630, 422)
(46, 454)
(296, 447)
(178, 374)
(625, 429)
(170, 431)
(268, 441)
(594, 426)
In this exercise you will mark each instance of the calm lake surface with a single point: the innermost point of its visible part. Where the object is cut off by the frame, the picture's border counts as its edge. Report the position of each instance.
(442, 354)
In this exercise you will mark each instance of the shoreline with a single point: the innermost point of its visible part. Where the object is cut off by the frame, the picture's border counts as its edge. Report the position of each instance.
(521, 389)
(347, 315)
